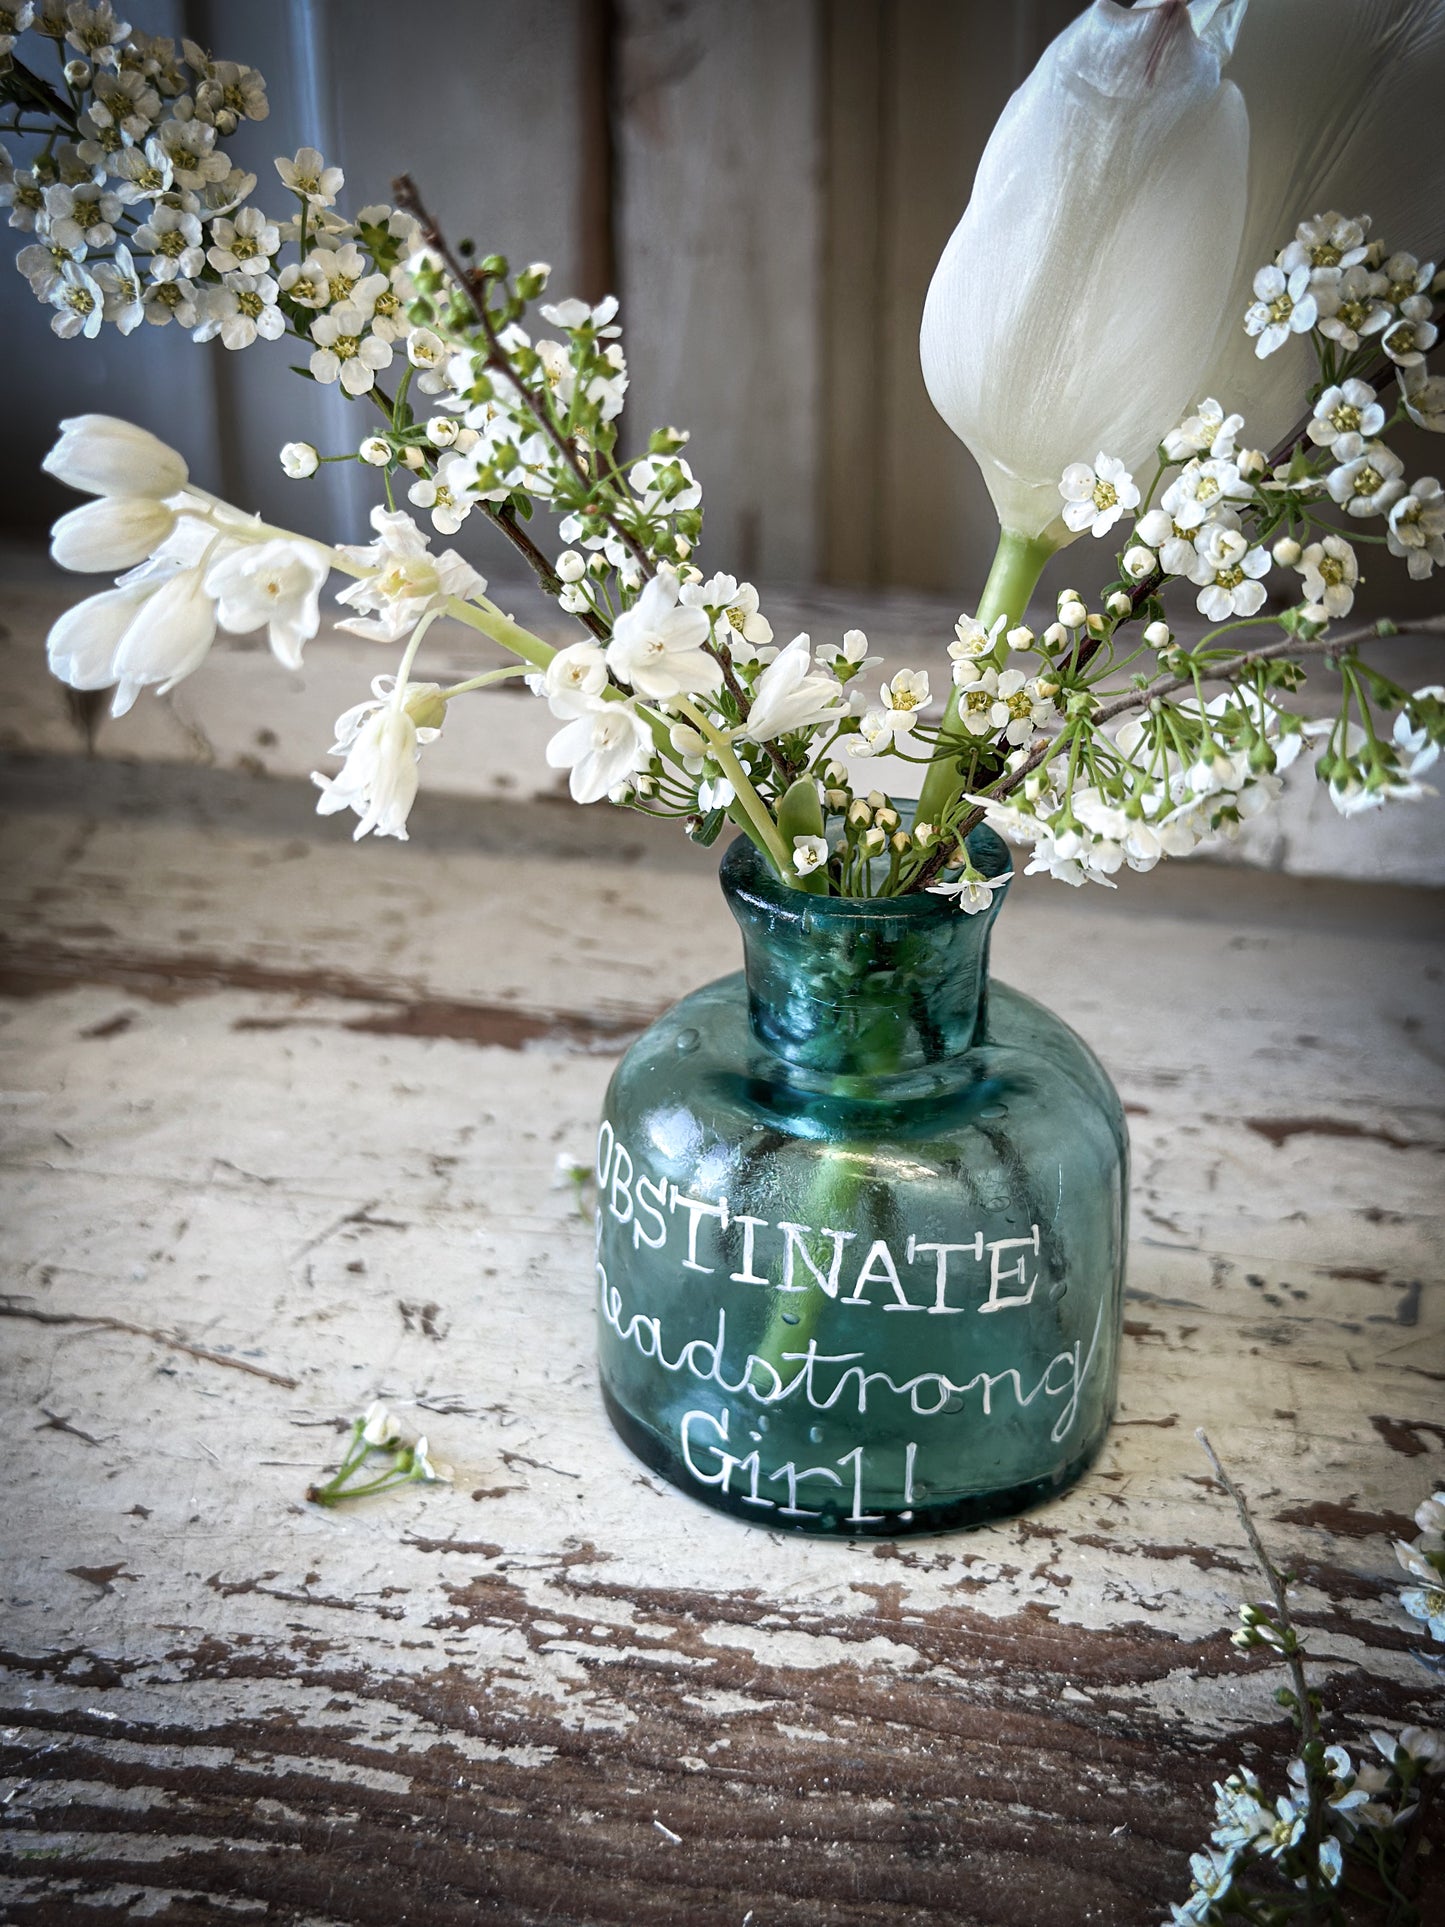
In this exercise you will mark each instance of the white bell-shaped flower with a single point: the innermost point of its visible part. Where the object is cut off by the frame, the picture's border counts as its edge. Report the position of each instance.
(113, 533)
(102, 455)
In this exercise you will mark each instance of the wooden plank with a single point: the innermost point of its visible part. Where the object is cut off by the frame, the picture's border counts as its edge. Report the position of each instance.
(244, 1198)
(718, 235)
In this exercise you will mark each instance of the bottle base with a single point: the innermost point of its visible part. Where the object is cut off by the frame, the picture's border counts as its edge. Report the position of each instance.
(951, 1515)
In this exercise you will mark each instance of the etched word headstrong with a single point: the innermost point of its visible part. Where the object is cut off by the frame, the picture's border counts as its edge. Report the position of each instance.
(808, 1341)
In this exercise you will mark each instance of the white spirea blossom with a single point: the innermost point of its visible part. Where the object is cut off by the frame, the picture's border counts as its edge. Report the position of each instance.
(1096, 495)
(300, 459)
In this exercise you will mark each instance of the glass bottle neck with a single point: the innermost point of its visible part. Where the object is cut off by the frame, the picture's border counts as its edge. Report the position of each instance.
(861, 987)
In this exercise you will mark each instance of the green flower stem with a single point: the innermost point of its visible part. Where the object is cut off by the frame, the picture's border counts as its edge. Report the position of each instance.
(755, 818)
(1017, 566)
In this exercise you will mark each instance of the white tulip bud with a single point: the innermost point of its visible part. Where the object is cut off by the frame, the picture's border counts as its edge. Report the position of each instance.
(570, 566)
(1158, 634)
(1286, 552)
(113, 533)
(102, 455)
(299, 459)
(1119, 604)
(376, 451)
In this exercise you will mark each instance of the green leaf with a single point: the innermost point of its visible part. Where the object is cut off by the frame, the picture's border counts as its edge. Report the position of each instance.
(800, 813)
(704, 829)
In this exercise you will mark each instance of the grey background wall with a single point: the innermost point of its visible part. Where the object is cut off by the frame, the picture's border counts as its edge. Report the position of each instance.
(765, 183)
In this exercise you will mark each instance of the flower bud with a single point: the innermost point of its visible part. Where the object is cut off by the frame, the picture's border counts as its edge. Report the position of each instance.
(102, 455)
(1020, 638)
(887, 818)
(113, 533)
(875, 840)
(1097, 627)
(299, 459)
(1286, 552)
(570, 566)
(923, 834)
(1056, 636)
(413, 458)
(859, 813)
(1119, 604)
(1251, 463)
(900, 841)
(376, 451)
(77, 73)
(835, 773)
(1158, 634)
(877, 800)
(1138, 562)
(443, 431)
(1071, 610)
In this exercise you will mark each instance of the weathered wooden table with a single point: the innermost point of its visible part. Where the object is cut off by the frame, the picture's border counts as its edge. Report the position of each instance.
(283, 1117)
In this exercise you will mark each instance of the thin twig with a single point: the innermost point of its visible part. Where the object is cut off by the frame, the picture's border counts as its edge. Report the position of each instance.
(473, 285)
(1166, 686)
(740, 697)
(505, 519)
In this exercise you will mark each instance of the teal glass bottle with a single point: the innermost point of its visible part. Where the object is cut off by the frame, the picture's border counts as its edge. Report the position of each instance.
(861, 1224)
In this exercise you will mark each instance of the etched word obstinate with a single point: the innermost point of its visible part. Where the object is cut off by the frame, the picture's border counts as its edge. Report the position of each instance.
(785, 1256)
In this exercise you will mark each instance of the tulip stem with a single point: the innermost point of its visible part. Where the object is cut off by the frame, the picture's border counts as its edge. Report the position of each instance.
(1017, 566)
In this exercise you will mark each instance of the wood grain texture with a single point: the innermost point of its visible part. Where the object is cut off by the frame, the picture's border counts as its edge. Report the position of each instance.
(246, 1193)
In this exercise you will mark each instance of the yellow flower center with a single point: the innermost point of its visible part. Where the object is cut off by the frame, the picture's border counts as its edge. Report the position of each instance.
(80, 299)
(1105, 495)
(1206, 489)
(1345, 419)
(1402, 338)
(340, 285)
(977, 701)
(244, 248)
(1231, 577)
(172, 244)
(1019, 704)
(250, 303)
(1332, 571)
(1369, 481)
(345, 347)
(1401, 291)
(1281, 308)
(1325, 255)
(1354, 314)
(903, 699)
(387, 304)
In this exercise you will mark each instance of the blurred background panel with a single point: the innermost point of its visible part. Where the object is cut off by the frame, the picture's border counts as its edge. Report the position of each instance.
(765, 183)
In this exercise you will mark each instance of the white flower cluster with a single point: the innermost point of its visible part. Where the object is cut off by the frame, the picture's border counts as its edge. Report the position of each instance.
(201, 566)
(493, 401)
(1363, 1807)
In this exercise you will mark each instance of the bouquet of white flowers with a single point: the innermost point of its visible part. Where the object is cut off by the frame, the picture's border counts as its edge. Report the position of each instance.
(1091, 409)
